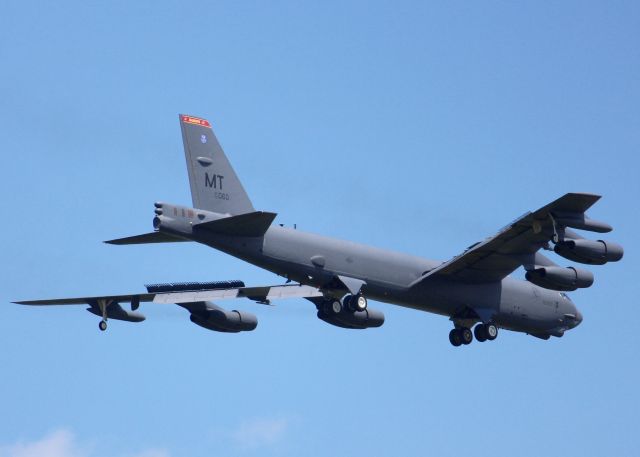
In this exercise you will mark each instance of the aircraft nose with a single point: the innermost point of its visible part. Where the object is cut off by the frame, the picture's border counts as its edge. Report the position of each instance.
(572, 320)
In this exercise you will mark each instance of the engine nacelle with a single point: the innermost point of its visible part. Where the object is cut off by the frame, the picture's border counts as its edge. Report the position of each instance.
(582, 222)
(115, 311)
(590, 252)
(558, 278)
(355, 320)
(221, 320)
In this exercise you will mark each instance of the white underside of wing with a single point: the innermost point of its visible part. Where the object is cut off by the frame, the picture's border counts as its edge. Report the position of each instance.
(255, 293)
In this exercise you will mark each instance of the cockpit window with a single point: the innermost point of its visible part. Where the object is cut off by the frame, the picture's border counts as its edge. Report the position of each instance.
(563, 295)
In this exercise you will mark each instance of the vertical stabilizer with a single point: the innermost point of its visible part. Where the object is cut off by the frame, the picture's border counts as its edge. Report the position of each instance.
(214, 184)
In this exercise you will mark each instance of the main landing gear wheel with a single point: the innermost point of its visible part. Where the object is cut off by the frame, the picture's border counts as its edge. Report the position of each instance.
(480, 332)
(460, 336)
(455, 338)
(355, 302)
(359, 303)
(486, 332)
(333, 307)
(465, 335)
(102, 325)
(492, 331)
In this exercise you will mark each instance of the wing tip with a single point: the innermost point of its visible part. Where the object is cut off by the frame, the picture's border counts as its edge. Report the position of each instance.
(572, 202)
(26, 302)
(116, 242)
(589, 195)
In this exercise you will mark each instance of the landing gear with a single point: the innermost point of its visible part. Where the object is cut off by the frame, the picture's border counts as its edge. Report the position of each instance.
(460, 336)
(333, 307)
(360, 303)
(355, 302)
(466, 335)
(482, 332)
(455, 338)
(352, 303)
(103, 304)
(492, 331)
(486, 332)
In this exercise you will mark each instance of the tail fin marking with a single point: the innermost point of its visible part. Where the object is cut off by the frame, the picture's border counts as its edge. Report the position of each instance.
(214, 184)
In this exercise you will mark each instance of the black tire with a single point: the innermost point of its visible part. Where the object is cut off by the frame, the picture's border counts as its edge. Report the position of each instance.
(480, 332)
(492, 331)
(102, 325)
(455, 338)
(348, 302)
(332, 307)
(466, 336)
(359, 303)
(336, 307)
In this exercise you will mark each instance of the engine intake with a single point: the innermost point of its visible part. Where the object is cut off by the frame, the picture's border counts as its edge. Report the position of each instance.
(558, 278)
(354, 320)
(590, 252)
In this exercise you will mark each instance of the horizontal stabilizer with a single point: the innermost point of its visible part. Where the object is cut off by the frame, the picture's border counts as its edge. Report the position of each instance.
(147, 238)
(248, 224)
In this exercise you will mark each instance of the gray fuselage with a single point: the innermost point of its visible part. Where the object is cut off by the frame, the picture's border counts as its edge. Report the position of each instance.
(316, 260)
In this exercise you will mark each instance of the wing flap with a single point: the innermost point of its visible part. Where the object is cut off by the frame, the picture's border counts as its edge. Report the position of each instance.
(260, 294)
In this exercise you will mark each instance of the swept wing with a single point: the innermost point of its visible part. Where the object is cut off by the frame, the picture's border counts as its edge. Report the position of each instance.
(260, 294)
(498, 256)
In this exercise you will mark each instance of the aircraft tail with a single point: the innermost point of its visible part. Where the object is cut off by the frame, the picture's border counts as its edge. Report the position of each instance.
(214, 185)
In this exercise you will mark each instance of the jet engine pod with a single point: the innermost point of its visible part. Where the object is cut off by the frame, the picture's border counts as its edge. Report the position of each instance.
(558, 278)
(355, 320)
(590, 252)
(115, 311)
(582, 222)
(221, 320)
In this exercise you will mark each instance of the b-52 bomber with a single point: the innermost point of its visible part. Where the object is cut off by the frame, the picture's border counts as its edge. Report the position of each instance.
(473, 289)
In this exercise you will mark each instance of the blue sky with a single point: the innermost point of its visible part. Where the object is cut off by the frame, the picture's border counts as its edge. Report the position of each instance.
(416, 126)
